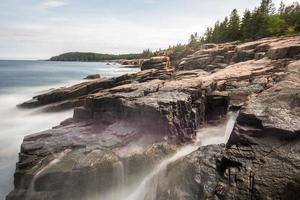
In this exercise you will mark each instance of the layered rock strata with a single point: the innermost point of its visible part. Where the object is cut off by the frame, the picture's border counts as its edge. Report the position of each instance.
(160, 62)
(211, 57)
(261, 160)
(159, 109)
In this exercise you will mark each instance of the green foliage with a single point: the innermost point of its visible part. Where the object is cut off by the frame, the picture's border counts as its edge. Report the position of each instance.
(194, 41)
(147, 53)
(177, 48)
(263, 21)
(246, 25)
(275, 25)
(92, 57)
(234, 31)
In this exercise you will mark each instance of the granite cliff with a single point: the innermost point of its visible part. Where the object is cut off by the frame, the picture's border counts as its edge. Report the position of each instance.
(130, 123)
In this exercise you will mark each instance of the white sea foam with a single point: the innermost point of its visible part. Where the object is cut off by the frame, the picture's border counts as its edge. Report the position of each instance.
(205, 136)
(16, 123)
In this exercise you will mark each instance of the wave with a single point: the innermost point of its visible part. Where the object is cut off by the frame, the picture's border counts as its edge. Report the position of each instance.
(16, 123)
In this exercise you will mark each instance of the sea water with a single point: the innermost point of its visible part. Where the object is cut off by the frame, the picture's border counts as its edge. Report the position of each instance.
(20, 81)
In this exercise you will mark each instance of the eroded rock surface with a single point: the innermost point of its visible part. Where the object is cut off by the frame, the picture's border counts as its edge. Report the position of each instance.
(160, 108)
(160, 62)
(212, 57)
(92, 76)
(261, 160)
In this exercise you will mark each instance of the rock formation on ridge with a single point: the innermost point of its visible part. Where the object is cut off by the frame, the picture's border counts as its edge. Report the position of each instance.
(261, 78)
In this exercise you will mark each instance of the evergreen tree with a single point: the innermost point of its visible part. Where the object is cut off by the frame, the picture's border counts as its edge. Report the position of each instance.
(281, 8)
(193, 41)
(275, 25)
(216, 33)
(224, 35)
(234, 26)
(261, 17)
(246, 25)
(263, 21)
(267, 7)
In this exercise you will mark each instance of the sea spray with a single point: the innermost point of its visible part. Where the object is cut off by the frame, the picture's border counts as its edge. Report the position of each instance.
(118, 179)
(19, 82)
(57, 158)
(205, 136)
(141, 190)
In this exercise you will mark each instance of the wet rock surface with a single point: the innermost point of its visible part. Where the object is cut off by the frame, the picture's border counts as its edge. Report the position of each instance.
(261, 159)
(92, 76)
(133, 121)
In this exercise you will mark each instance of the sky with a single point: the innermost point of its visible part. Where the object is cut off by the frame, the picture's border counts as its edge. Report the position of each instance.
(39, 29)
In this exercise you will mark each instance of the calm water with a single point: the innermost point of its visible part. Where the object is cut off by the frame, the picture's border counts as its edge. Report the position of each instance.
(21, 80)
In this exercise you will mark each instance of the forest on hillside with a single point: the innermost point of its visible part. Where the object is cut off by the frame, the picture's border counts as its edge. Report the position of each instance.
(94, 57)
(264, 21)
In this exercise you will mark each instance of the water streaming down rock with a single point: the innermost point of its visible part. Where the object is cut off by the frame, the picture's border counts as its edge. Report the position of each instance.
(20, 81)
(266, 90)
(118, 182)
(205, 136)
(57, 158)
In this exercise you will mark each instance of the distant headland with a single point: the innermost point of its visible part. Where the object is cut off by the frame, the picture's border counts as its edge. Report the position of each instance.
(97, 57)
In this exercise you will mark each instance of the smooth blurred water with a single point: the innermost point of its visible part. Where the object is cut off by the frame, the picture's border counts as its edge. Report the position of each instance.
(213, 134)
(21, 80)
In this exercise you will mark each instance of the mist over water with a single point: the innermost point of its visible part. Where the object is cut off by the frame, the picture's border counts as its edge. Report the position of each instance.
(205, 136)
(146, 185)
(20, 81)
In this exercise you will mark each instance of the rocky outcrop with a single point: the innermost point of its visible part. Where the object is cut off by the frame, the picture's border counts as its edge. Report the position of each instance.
(92, 76)
(261, 158)
(131, 63)
(69, 97)
(158, 109)
(209, 57)
(212, 56)
(160, 62)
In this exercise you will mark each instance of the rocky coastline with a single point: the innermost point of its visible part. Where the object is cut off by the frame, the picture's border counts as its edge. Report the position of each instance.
(130, 123)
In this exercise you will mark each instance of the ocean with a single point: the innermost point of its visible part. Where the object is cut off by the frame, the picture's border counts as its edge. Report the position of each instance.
(20, 81)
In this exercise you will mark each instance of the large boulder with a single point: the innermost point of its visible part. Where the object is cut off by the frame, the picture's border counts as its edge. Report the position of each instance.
(93, 76)
(159, 62)
(261, 159)
(284, 51)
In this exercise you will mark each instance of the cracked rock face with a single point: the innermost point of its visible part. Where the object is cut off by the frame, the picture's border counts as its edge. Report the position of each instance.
(261, 159)
(129, 123)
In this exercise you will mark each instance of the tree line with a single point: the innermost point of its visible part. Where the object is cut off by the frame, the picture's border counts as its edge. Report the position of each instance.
(264, 21)
(90, 57)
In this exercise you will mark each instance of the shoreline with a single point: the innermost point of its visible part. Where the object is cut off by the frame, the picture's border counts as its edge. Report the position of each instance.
(163, 107)
(19, 123)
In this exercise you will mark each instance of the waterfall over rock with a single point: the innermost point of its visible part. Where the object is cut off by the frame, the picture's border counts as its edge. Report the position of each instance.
(161, 133)
(205, 136)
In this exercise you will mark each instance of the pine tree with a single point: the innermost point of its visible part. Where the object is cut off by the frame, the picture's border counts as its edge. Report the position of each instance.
(193, 41)
(216, 33)
(208, 35)
(224, 36)
(263, 21)
(281, 8)
(275, 25)
(234, 26)
(267, 7)
(246, 30)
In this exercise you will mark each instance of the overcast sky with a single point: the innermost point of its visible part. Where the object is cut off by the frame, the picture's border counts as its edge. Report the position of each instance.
(39, 29)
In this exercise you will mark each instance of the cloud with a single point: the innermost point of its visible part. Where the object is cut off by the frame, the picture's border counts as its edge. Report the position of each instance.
(108, 27)
(53, 3)
(151, 1)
